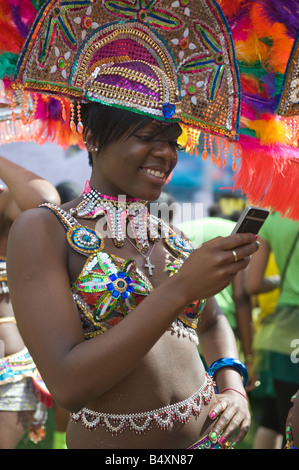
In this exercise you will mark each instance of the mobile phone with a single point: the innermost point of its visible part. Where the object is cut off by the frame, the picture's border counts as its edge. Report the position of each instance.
(251, 220)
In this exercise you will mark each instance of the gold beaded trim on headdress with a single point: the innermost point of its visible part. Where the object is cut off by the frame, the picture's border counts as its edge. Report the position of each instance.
(159, 84)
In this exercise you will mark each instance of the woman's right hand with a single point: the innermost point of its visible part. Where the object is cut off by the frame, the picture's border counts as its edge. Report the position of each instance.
(212, 267)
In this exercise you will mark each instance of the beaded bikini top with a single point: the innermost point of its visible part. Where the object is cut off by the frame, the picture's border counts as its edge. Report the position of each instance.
(109, 287)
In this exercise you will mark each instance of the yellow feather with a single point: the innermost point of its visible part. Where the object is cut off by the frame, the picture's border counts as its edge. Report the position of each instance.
(251, 50)
(270, 131)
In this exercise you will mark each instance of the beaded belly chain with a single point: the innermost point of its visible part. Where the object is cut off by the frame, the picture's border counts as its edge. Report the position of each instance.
(139, 423)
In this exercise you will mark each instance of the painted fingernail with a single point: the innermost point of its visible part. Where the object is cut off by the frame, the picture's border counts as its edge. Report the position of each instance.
(222, 440)
(255, 236)
(213, 436)
(293, 397)
(212, 414)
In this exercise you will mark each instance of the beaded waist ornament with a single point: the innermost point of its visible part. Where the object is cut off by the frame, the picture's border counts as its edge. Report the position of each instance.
(141, 422)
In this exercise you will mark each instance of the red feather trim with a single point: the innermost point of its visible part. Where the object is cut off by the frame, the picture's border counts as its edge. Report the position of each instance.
(269, 176)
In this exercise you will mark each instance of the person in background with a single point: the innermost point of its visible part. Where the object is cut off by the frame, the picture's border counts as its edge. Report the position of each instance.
(233, 300)
(68, 190)
(19, 406)
(268, 432)
(244, 314)
(276, 332)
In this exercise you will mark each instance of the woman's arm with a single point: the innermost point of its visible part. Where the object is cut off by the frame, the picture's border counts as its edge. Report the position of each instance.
(217, 341)
(49, 322)
(244, 324)
(25, 189)
(255, 282)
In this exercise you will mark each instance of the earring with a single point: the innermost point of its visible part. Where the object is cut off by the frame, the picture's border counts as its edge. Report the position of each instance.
(91, 149)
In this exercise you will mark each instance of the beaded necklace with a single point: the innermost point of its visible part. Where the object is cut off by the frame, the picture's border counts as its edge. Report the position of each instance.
(117, 212)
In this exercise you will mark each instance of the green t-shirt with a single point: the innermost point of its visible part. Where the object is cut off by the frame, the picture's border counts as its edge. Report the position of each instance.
(202, 230)
(280, 233)
(279, 332)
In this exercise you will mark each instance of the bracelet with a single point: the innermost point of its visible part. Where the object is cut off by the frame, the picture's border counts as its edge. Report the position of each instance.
(234, 390)
(229, 362)
(274, 281)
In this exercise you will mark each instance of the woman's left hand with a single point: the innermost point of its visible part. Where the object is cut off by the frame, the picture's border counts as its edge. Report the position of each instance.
(231, 415)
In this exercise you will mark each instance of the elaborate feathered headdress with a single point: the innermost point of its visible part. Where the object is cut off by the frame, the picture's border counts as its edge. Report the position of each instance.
(231, 72)
(266, 41)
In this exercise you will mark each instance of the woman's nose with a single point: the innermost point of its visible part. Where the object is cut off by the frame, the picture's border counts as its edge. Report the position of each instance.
(165, 150)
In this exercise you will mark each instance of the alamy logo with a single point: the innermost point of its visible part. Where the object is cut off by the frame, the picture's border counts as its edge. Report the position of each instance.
(1, 349)
(295, 352)
(176, 213)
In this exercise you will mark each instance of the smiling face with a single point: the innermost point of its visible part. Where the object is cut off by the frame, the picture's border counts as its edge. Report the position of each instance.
(138, 163)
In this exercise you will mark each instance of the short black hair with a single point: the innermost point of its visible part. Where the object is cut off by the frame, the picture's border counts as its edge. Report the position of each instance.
(109, 123)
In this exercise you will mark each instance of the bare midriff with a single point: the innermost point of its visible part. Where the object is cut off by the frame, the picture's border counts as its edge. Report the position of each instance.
(161, 379)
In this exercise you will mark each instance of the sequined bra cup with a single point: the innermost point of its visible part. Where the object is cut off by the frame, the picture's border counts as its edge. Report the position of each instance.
(109, 287)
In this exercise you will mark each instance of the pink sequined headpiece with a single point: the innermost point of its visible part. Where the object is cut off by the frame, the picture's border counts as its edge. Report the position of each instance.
(136, 86)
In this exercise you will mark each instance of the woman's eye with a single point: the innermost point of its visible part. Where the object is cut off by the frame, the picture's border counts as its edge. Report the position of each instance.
(144, 137)
(176, 145)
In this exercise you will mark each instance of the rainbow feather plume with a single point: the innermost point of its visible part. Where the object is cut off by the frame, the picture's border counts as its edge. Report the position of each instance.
(264, 32)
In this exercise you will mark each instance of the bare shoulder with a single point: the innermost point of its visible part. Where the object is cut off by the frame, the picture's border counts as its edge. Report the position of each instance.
(35, 231)
(37, 219)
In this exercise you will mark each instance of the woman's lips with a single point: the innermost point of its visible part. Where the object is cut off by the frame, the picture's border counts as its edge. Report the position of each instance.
(158, 174)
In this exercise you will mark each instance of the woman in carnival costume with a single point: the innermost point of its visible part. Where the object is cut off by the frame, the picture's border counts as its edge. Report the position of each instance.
(22, 393)
(124, 297)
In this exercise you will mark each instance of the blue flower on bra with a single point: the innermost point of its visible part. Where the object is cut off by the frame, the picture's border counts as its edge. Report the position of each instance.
(120, 285)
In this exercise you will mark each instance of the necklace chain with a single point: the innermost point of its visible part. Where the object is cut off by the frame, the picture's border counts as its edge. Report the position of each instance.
(148, 263)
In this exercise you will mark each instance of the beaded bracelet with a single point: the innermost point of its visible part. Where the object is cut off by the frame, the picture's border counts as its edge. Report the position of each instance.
(234, 390)
(229, 362)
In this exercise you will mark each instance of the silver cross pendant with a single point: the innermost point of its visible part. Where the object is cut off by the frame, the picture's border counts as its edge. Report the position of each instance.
(149, 265)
